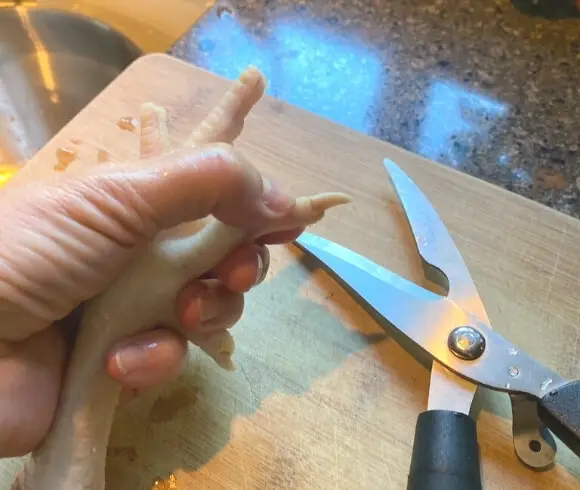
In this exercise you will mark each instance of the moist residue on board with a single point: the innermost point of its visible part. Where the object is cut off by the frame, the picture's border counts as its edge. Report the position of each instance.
(126, 452)
(127, 123)
(169, 484)
(167, 407)
(65, 156)
(103, 156)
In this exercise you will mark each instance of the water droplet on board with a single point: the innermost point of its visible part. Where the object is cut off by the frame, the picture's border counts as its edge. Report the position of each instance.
(512, 351)
(508, 386)
(64, 156)
(103, 156)
(169, 484)
(127, 123)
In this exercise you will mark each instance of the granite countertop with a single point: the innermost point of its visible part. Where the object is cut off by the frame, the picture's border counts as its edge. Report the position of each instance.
(490, 88)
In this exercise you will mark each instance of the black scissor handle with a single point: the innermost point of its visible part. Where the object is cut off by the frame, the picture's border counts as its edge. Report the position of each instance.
(445, 453)
(560, 411)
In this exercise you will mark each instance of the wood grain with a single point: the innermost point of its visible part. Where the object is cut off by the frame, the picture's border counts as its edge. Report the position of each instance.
(324, 397)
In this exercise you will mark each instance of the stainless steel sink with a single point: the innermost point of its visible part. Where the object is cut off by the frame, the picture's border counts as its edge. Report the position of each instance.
(52, 64)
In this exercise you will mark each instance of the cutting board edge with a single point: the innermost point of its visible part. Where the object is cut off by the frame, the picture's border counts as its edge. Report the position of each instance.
(416, 158)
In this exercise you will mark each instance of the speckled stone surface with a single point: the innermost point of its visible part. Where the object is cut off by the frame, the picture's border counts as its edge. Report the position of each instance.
(491, 87)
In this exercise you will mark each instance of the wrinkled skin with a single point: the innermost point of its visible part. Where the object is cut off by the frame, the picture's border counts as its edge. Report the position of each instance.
(64, 239)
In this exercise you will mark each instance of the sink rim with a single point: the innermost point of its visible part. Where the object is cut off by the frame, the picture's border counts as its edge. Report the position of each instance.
(81, 56)
(98, 24)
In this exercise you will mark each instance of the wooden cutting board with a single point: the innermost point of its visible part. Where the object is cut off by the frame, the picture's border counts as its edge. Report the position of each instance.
(324, 398)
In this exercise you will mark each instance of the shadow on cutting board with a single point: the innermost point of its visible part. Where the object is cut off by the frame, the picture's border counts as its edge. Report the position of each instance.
(280, 350)
(309, 343)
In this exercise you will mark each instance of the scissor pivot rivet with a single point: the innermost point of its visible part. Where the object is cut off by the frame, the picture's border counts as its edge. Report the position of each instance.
(514, 371)
(466, 343)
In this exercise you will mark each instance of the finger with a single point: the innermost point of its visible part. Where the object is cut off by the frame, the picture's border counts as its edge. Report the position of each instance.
(227, 317)
(279, 237)
(154, 138)
(207, 306)
(30, 380)
(244, 268)
(129, 202)
(148, 359)
(160, 193)
(225, 123)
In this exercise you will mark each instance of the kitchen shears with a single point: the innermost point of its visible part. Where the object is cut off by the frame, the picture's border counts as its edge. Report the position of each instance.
(456, 331)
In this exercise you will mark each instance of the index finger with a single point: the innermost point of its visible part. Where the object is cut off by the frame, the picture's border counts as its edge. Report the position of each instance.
(280, 237)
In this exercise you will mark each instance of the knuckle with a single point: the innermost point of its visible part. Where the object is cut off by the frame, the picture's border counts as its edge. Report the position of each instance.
(221, 154)
(225, 162)
(227, 150)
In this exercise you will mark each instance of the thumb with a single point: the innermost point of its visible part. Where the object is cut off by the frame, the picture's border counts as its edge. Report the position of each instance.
(64, 240)
(186, 185)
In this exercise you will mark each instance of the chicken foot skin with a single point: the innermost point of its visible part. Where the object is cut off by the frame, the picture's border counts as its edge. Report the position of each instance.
(73, 455)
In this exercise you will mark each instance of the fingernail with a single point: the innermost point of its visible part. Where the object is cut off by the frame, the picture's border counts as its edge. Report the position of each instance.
(262, 268)
(208, 305)
(260, 272)
(140, 358)
(135, 357)
(274, 198)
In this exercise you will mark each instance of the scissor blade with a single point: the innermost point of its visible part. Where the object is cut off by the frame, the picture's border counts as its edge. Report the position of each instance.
(375, 284)
(436, 247)
(417, 312)
(447, 390)
(434, 243)
(427, 319)
(346, 263)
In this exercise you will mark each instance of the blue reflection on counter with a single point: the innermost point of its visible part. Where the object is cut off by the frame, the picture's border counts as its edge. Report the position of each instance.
(227, 48)
(333, 76)
(336, 77)
(454, 115)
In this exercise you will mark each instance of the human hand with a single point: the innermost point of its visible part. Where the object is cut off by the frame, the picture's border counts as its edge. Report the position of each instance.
(66, 238)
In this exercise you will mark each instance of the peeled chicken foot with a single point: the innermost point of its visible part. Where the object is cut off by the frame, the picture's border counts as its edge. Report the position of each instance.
(73, 455)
